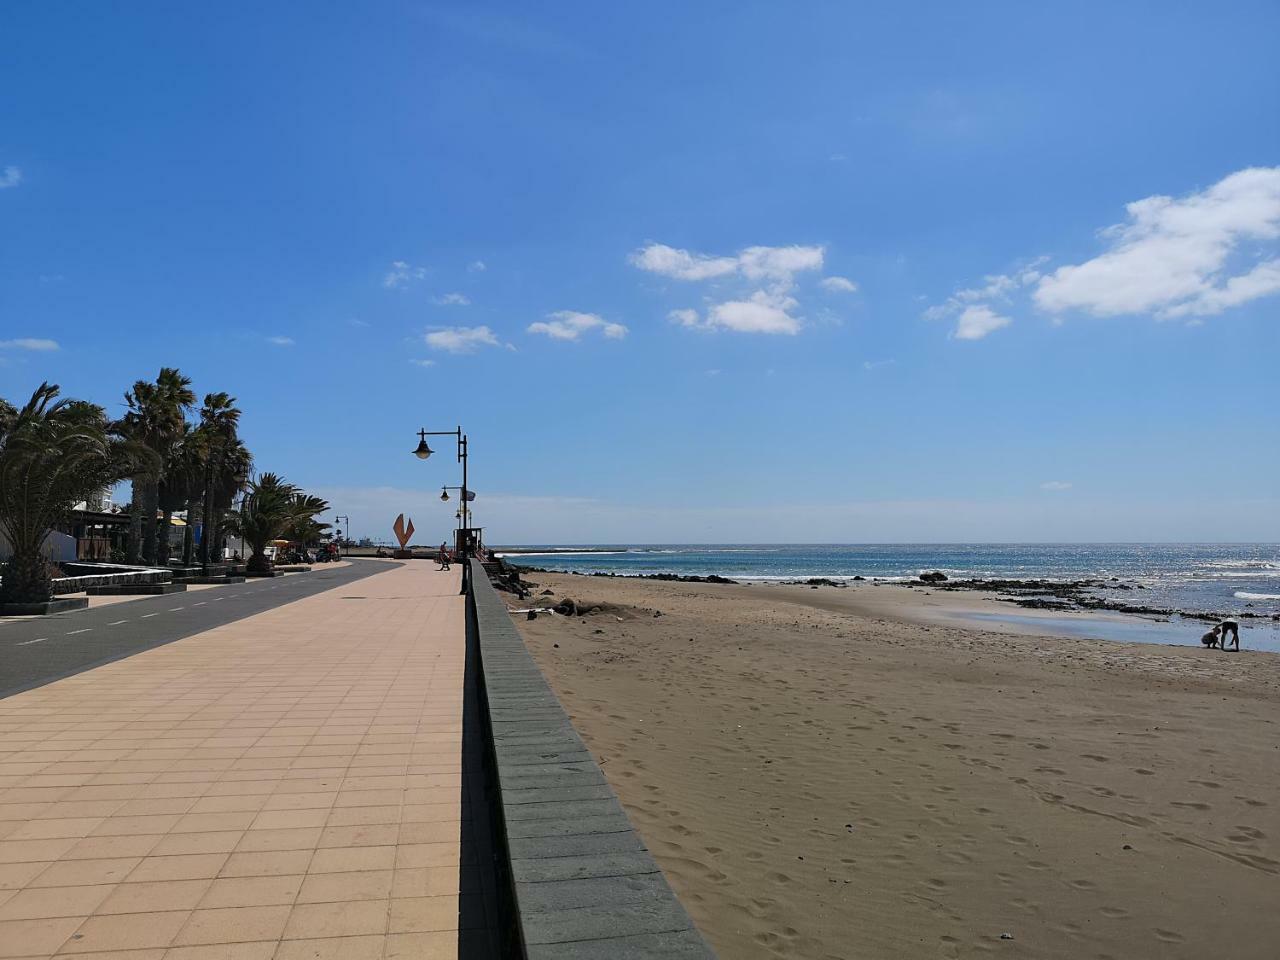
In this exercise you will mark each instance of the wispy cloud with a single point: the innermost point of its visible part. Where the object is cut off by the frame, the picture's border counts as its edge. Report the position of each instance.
(356, 322)
(10, 177)
(461, 339)
(401, 274)
(30, 343)
(452, 300)
(571, 325)
(281, 341)
(423, 363)
(1185, 257)
(1055, 485)
(838, 285)
(876, 364)
(476, 266)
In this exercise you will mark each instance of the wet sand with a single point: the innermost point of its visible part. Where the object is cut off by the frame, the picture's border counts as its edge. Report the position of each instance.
(859, 773)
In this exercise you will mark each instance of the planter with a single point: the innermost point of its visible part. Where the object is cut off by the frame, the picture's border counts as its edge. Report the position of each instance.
(44, 607)
(136, 589)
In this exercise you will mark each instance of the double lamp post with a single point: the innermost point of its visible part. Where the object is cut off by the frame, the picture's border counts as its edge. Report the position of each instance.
(464, 541)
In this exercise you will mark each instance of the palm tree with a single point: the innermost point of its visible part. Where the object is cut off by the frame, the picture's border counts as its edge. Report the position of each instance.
(219, 420)
(156, 418)
(228, 483)
(53, 454)
(306, 529)
(270, 508)
(180, 485)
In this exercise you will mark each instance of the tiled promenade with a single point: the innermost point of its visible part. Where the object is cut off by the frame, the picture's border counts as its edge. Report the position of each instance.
(285, 786)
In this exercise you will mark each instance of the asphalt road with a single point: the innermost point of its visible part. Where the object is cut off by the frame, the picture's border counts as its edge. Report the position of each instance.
(43, 649)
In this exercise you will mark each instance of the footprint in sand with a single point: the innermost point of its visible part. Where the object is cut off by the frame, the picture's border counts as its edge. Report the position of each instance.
(777, 877)
(1168, 936)
(1253, 803)
(1206, 783)
(1145, 773)
(1114, 913)
(1190, 805)
(1083, 884)
(1097, 757)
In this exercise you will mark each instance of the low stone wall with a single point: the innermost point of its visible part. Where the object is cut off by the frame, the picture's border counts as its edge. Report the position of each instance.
(116, 577)
(579, 881)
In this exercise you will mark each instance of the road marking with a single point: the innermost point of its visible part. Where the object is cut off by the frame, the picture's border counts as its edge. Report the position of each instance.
(176, 609)
(73, 632)
(200, 604)
(26, 642)
(116, 623)
(145, 615)
(219, 598)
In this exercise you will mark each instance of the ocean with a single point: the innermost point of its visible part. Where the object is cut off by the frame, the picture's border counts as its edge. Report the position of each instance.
(1222, 578)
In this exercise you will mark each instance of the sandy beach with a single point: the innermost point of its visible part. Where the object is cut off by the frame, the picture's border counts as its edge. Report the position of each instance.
(862, 773)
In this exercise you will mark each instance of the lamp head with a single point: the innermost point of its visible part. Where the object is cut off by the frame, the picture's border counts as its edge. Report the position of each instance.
(444, 496)
(423, 451)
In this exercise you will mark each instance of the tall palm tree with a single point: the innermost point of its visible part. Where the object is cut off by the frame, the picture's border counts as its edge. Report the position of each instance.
(156, 417)
(271, 506)
(219, 421)
(228, 483)
(53, 454)
(180, 485)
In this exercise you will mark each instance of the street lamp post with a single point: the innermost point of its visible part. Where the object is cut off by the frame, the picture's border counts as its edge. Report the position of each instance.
(424, 451)
(347, 537)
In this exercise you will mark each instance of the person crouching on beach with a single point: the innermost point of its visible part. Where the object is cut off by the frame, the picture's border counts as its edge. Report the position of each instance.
(1210, 639)
(1230, 627)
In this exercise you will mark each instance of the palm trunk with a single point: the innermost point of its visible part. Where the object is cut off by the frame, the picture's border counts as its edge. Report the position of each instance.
(162, 547)
(26, 576)
(133, 545)
(151, 499)
(189, 534)
(206, 525)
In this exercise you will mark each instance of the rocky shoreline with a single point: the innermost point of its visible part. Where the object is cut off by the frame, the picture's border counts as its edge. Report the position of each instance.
(1037, 594)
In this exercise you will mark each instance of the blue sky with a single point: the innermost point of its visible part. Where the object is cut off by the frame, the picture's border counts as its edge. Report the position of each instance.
(684, 272)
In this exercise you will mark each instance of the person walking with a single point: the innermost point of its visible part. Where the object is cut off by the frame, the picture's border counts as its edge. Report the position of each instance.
(444, 556)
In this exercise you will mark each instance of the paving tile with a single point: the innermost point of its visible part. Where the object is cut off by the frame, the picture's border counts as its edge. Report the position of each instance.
(232, 925)
(261, 950)
(273, 863)
(352, 885)
(191, 866)
(37, 903)
(333, 948)
(425, 882)
(68, 873)
(422, 946)
(252, 891)
(223, 841)
(342, 919)
(340, 859)
(155, 895)
(304, 838)
(423, 914)
(23, 938)
(129, 931)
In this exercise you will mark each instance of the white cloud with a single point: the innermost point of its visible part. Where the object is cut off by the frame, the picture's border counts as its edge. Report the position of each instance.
(476, 266)
(686, 317)
(838, 284)
(402, 274)
(10, 177)
(976, 321)
(681, 264)
(461, 339)
(355, 322)
(768, 310)
(29, 343)
(1055, 485)
(876, 364)
(423, 363)
(571, 325)
(763, 313)
(778, 264)
(281, 341)
(452, 300)
(1178, 257)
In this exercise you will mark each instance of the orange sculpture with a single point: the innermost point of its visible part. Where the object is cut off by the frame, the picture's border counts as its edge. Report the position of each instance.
(403, 533)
